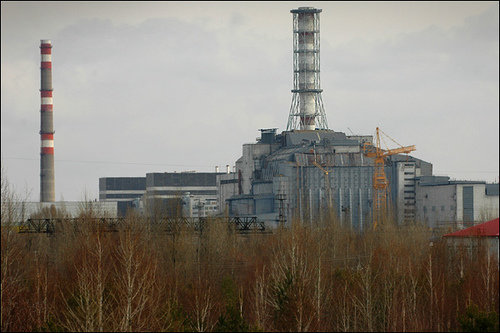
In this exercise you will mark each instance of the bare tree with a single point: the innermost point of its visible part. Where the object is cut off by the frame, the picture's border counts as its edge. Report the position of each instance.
(135, 271)
(87, 309)
(15, 308)
(291, 291)
(259, 293)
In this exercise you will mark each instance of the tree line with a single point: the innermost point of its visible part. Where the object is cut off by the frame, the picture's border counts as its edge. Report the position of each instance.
(322, 277)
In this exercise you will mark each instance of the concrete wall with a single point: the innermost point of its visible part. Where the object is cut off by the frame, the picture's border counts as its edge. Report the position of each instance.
(488, 208)
(242, 206)
(264, 204)
(252, 154)
(436, 205)
(201, 187)
(404, 190)
(227, 186)
(24, 210)
(485, 206)
(121, 188)
(307, 195)
(471, 245)
(262, 187)
(442, 204)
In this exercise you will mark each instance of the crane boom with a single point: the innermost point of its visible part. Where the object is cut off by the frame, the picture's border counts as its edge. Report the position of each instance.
(402, 150)
(371, 151)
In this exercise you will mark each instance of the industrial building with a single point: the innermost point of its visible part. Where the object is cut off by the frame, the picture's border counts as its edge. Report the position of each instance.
(442, 202)
(121, 188)
(196, 190)
(472, 239)
(125, 191)
(303, 174)
(309, 169)
(191, 194)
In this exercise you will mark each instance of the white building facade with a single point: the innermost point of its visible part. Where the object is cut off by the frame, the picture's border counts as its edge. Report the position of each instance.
(441, 201)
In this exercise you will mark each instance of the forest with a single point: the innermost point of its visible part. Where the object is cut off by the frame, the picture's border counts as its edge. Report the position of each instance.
(321, 277)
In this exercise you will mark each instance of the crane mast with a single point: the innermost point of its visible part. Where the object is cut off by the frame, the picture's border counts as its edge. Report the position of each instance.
(380, 181)
(327, 182)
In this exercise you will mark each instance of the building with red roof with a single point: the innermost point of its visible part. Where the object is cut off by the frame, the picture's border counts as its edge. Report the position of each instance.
(471, 238)
(486, 229)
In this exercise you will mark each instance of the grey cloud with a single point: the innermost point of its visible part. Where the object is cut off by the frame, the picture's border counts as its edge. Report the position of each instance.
(431, 56)
(166, 80)
(170, 92)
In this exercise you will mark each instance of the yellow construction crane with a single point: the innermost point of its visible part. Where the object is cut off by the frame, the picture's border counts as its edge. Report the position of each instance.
(327, 183)
(327, 179)
(380, 182)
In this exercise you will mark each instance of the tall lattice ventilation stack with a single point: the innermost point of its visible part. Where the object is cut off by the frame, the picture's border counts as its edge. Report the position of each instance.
(307, 111)
(47, 182)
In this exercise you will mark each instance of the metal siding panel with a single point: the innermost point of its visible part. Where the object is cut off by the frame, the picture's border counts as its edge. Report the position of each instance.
(468, 203)
(492, 189)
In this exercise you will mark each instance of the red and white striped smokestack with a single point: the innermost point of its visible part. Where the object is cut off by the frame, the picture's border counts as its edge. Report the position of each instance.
(47, 182)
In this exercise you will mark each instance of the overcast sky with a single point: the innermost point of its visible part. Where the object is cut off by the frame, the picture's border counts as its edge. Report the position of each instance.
(173, 86)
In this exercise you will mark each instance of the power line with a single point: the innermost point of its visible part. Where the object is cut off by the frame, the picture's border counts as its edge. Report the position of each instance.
(193, 165)
(110, 162)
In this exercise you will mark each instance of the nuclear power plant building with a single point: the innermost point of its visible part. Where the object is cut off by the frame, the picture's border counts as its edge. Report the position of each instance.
(303, 173)
(309, 171)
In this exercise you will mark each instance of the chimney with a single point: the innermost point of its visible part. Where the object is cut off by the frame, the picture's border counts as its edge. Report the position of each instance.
(47, 182)
(216, 169)
(228, 170)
